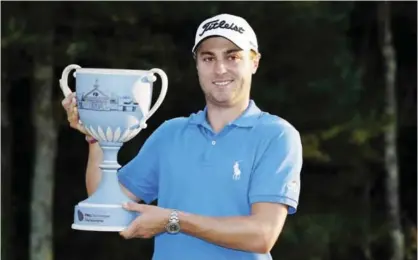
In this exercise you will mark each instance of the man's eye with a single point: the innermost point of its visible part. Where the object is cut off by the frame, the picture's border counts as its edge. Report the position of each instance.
(233, 57)
(207, 59)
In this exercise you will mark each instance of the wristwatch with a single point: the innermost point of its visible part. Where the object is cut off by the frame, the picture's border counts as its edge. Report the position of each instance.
(173, 225)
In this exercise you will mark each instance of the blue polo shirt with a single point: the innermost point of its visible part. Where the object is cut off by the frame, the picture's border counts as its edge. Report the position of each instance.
(187, 166)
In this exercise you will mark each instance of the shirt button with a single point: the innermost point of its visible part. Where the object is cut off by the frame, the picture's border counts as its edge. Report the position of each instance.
(213, 142)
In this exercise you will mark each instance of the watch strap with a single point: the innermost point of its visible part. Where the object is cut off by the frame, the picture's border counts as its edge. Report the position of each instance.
(174, 217)
(173, 225)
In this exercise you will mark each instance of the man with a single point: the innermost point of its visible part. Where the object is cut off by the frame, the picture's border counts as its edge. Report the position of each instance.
(225, 177)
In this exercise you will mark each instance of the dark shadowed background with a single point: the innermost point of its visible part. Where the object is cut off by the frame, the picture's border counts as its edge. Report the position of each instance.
(343, 73)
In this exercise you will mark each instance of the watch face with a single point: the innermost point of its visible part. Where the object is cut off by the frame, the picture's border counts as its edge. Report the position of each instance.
(173, 228)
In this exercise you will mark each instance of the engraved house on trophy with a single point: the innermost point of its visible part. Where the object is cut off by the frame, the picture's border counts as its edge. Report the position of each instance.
(97, 100)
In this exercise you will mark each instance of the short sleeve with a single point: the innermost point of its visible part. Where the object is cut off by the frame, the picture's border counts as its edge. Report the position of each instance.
(276, 176)
(140, 175)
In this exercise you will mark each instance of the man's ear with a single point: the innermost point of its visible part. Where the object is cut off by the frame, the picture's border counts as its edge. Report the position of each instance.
(256, 62)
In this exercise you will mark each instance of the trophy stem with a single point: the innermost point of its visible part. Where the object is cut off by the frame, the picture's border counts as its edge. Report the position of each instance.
(103, 211)
(109, 190)
(109, 167)
(110, 155)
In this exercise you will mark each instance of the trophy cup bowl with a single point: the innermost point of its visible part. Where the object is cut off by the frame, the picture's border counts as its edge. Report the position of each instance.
(113, 107)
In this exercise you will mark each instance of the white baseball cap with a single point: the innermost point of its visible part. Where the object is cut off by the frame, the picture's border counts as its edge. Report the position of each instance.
(234, 28)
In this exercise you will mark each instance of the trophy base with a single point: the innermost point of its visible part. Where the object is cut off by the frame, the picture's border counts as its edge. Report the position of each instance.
(97, 228)
(102, 217)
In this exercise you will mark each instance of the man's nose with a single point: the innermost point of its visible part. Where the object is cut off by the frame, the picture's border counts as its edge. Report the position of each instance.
(220, 67)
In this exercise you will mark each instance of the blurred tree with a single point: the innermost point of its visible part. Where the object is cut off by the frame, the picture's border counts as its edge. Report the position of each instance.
(12, 28)
(6, 168)
(45, 138)
(391, 150)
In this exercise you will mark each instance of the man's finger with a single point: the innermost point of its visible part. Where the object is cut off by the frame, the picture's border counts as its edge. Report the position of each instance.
(129, 232)
(64, 103)
(126, 233)
(67, 100)
(69, 108)
(81, 128)
(73, 118)
(134, 206)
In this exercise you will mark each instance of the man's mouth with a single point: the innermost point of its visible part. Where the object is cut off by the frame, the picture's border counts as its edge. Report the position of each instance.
(222, 83)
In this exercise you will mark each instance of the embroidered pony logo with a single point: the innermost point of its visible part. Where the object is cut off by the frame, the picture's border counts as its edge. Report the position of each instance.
(237, 171)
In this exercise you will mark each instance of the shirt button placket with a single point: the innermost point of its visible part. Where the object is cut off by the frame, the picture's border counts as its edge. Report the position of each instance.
(209, 152)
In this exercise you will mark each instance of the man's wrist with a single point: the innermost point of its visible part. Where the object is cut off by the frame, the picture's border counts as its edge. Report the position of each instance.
(173, 223)
(90, 139)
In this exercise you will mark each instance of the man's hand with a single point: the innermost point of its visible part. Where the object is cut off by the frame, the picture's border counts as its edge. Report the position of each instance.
(70, 105)
(255, 233)
(151, 221)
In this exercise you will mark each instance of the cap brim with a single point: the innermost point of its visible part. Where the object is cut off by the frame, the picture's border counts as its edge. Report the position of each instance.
(234, 40)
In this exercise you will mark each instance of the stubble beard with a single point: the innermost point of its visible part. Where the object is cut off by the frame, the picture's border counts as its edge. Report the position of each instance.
(225, 100)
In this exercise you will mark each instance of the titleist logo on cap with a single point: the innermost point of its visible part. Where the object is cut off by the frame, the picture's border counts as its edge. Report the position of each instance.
(222, 24)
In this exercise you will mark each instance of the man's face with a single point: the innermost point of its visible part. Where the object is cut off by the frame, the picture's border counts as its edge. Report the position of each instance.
(225, 71)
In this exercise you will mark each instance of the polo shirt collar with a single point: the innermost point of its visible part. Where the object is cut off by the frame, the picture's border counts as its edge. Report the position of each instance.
(247, 119)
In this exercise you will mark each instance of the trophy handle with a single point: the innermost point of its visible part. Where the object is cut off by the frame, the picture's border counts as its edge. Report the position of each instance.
(64, 79)
(163, 91)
